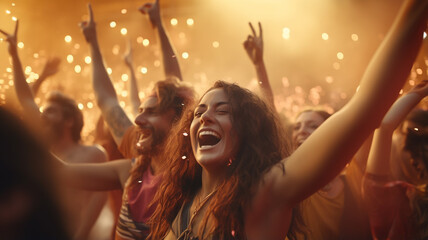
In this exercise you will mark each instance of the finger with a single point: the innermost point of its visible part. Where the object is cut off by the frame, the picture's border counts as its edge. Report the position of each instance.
(91, 14)
(157, 2)
(260, 31)
(145, 8)
(16, 27)
(3, 32)
(252, 29)
(245, 43)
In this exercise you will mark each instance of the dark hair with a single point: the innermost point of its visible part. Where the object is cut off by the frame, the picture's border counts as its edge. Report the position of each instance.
(171, 93)
(262, 145)
(70, 110)
(415, 144)
(25, 166)
(322, 113)
(415, 140)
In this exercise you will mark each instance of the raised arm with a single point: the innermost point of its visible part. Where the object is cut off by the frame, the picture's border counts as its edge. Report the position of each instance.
(23, 90)
(105, 94)
(132, 86)
(170, 59)
(254, 48)
(324, 154)
(380, 152)
(102, 176)
(50, 69)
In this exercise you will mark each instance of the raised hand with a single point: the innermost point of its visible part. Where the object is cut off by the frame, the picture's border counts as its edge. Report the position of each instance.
(51, 67)
(128, 55)
(153, 10)
(254, 45)
(12, 40)
(88, 27)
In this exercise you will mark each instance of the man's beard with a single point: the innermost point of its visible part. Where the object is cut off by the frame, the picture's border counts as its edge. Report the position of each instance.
(156, 145)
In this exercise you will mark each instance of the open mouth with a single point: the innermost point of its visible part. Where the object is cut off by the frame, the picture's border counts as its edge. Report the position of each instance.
(144, 135)
(208, 139)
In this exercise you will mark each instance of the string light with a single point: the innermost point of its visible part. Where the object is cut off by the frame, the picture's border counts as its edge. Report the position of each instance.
(124, 77)
(216, 44)
(146, 42)
(286, 33)
(324, 36)
(123, 31)
(70, 58)
(190, 21)
(174, 21)
(185, 55)
(112, 24)
(77, 68)
(21, 45)
(67, 38)
(28, 69)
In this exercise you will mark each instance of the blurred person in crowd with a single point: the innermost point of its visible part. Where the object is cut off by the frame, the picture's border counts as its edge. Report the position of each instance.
(29, 201)
(62, 122)
(398, 206)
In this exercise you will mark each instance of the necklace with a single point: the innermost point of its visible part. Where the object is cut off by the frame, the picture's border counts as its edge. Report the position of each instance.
(202, 203)
(187, 233)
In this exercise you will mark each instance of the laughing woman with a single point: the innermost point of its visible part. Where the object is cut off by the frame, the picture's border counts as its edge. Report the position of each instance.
(232, 176)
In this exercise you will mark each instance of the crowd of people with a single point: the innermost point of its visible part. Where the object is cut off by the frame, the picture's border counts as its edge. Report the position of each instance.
(225, 165)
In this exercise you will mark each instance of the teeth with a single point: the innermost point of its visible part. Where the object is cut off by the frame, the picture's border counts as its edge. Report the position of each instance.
(204, 133)
(206, 146)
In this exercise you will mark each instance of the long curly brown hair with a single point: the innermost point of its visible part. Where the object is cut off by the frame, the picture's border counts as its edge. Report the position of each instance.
(262, 145)
(171, 93)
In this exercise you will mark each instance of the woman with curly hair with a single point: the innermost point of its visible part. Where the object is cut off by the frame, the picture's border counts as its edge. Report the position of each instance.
(231, 175)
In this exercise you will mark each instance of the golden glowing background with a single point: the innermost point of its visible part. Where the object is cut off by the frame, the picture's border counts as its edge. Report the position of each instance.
(315, 51)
